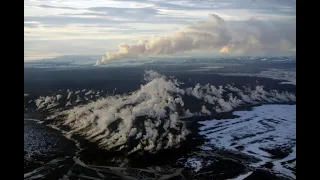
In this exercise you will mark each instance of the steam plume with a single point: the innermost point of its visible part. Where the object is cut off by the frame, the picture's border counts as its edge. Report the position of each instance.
(149, 119)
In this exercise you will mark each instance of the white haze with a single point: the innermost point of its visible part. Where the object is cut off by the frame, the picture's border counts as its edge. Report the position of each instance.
(156, 103)
(214, 35)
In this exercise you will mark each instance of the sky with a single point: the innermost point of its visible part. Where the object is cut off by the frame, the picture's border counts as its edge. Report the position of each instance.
(79, 27)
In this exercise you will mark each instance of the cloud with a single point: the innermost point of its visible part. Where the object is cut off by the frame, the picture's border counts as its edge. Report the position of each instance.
(151, 101)
(215, 33)
(57, 7)
(89, 92)
(55, 19)
(59, 96)
(46, 102)
(79, 99)
(69, 94)
(204, 110)
(125, 11)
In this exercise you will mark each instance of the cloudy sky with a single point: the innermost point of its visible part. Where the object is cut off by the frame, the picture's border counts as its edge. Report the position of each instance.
(79, 27)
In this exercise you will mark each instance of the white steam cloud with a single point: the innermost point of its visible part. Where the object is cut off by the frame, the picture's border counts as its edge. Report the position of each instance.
(46, 102)
(156, 101)
(59, 96)
(236, 96)
(216, 34)
(149, 119)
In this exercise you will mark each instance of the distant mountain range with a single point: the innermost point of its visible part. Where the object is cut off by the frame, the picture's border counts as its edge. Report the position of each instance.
(69, 59)
(72, 61)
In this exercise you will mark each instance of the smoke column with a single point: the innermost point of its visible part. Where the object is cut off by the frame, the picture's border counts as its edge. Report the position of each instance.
(215, 34)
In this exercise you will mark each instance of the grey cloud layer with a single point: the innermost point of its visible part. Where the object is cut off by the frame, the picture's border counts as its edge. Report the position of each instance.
(152, 13)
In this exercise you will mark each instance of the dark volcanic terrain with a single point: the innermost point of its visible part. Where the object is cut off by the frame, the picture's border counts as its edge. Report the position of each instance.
(250, 136)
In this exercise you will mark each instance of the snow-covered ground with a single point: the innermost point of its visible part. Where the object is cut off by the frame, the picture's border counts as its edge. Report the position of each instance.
(265, 128)
(288, 75)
